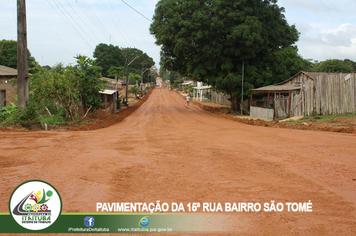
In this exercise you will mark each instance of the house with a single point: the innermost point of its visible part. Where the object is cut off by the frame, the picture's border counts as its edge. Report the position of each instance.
(185, 84)
(109, 95)
(7, 91)
(307, 93)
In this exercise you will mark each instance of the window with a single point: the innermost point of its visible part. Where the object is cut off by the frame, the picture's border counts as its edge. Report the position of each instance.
(2, 98)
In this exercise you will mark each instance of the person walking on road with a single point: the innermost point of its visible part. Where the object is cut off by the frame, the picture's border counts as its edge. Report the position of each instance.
(188, 99)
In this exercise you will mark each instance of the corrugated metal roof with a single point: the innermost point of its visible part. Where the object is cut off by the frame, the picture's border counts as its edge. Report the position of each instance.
(108, 91)
(7, 71)
(186, 83)
(203, 87)
(284, 87)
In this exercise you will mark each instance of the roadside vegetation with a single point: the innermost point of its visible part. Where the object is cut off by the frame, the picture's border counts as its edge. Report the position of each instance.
(56, 96)
(321, 118)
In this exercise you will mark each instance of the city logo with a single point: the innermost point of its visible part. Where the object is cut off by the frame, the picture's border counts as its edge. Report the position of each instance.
(35, 205)
(89, 221)
(144, 221)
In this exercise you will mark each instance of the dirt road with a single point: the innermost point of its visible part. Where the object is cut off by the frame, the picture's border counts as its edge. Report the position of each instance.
(172, 152)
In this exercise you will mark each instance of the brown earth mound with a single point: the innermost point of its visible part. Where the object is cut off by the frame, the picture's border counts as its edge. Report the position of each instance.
(94, 120)
(101, 119)
(341, 125)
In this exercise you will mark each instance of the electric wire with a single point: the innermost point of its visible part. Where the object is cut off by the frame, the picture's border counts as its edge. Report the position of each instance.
(125, 35)
(83, 21)
(98, 20)
(136, 11)
(71, 26)
(92, 19)
(74, 21)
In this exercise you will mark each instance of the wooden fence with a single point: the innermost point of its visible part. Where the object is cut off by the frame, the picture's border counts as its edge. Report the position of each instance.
(220, 98)
(335, 93)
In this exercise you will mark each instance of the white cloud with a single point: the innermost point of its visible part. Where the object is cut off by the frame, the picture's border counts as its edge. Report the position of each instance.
(328, 28)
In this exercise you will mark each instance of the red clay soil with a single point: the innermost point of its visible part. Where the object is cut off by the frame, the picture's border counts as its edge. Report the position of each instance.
(171, 152)
(341, 125)
(101, 119)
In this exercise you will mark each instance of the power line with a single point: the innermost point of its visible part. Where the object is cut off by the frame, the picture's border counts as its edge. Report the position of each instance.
(101, 25)
(74, 20)
(91, 18)
(71, 26)
(126, 36)
(83, 21)
(136, 11)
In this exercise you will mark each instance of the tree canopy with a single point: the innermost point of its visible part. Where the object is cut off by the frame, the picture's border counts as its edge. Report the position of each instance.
(211, 39)
(8, 55)
(334, 65)
(108, 56)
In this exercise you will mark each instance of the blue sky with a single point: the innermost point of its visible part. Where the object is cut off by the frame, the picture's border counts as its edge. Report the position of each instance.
(328, 28)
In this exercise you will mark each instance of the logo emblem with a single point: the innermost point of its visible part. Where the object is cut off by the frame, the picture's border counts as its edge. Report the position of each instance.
(89, 221)
(35, 205)
(144, 221)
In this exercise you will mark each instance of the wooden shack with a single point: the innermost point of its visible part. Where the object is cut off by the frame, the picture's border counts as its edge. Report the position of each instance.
(7, 91)
(306, 93)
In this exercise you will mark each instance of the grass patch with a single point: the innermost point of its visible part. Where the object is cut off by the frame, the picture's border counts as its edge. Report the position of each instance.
(320, 118)
(53, 120)
(329, 117)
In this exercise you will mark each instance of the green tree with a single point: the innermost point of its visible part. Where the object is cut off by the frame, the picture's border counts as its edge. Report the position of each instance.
(282, 65)
(58, 68)
(108, 56)
(89, 84)
(133, 78)
(47, 67)
(211, 39)
(55, 91)
(350, 63)
(333, 65)
(134, 90)
(142, 62)
(8, 55)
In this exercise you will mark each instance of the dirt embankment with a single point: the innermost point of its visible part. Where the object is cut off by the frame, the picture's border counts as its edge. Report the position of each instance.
(341, 125)
(94, 120)
(101, 119)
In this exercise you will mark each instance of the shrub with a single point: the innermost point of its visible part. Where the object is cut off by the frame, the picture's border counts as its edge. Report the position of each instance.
(53, 120)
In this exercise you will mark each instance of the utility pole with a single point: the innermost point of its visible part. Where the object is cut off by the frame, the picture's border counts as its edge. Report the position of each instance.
(142, 63)
(242, 93)
(22, 63)
(127, 71)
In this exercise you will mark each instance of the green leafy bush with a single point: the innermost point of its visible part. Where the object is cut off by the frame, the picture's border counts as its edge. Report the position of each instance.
(7, 111)
(23, 117)
(53, 120)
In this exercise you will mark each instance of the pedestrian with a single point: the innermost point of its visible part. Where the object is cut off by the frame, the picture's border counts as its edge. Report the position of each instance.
(145, 92)
(188, 99)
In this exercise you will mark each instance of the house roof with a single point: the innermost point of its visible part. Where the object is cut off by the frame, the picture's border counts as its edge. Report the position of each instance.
(315, 75)
(283, 87)
(203, 87)
(7, 71)
(108, 91)
(186, 83)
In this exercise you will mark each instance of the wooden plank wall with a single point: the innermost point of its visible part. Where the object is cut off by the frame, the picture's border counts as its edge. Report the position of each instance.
(335, 93)
(306, 96)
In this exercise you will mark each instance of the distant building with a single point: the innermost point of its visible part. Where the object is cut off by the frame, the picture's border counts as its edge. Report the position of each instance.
(7, 91)
(307, 93)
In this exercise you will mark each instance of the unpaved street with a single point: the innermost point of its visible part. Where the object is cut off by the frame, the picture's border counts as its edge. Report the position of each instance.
(172, 152)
